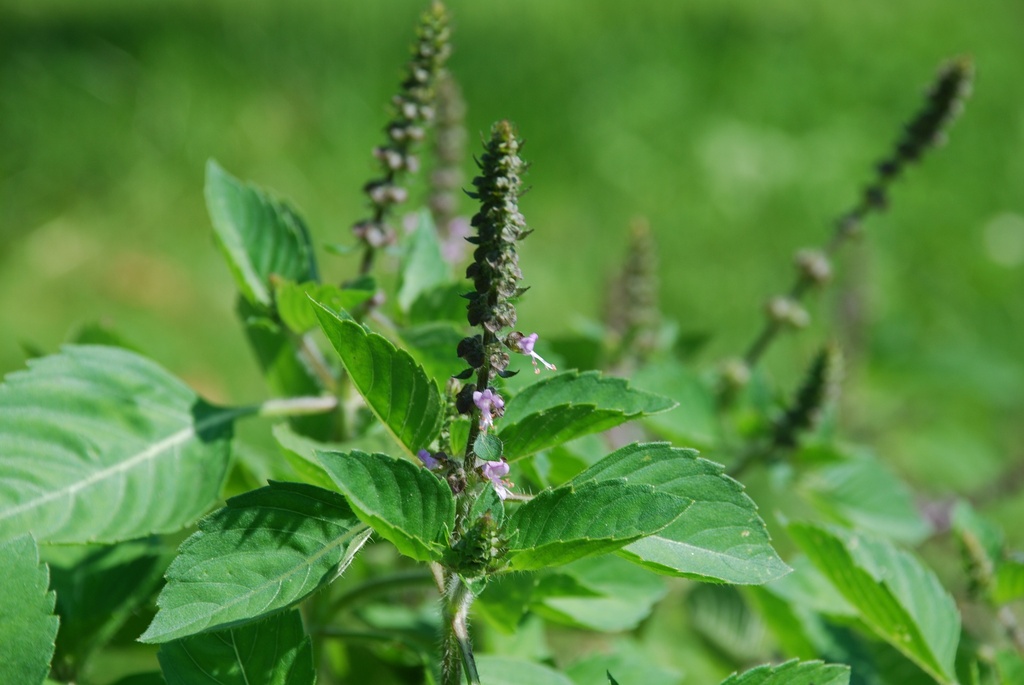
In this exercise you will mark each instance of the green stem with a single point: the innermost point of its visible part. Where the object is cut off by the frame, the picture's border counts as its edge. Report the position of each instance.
(296, 406)
(457, 649)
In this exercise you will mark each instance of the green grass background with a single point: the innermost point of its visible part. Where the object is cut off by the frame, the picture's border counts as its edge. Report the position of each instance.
(738, 129)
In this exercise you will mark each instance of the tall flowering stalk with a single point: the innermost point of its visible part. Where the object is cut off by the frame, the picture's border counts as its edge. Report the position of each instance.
(414, 110)
(944, 101)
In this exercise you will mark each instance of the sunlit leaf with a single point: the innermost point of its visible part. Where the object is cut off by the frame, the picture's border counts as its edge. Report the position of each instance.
(258, 235)
(405, 503)
(896, 596)
(296, 310)
(272, 652)
(29, 626)
(263, 552)
(719, 535)
(793, 673)
(394, 386)
(577, 521)
(98, 444)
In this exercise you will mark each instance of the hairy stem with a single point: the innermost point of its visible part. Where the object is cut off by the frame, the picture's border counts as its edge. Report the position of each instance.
(296, 406)
(458, 651)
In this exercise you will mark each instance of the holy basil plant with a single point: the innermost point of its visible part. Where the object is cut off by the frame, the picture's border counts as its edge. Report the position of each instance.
(408, 453)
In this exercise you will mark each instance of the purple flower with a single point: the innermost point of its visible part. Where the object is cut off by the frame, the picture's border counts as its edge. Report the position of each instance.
(495, 471)
(526, 344)
(428, 460)
(491, 406)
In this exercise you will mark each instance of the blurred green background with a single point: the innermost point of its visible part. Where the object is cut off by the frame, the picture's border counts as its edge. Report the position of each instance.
(738, 129)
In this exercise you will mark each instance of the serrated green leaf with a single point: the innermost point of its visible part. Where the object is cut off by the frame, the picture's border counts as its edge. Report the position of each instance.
(588, 387)
(503, 670)
(406, 504)
(808, 587)
(793, 673)
(28, 628)
(616, 594)
(300, 452)
(896, 596)
(433, 345)
(694, 421)
(258, 235)
(272, 652)
(98, 444)
(423, 266)
(487, 446)
(394, 386)
(569, 405)
(296, 310)
(718, 537)
(861, 493)
(98, 593)
(263, 552)
(577, 521)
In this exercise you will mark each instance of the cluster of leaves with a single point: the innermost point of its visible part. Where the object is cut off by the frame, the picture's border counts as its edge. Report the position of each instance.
(107, 461)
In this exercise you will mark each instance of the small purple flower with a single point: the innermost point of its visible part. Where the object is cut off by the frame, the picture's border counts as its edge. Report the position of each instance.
(526, 344)
(491, 406)
(495, 471)
(428, 459)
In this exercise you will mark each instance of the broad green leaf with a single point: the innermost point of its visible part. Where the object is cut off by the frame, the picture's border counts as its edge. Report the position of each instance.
(300, 452)
(577, 521)
(98, 444)
(442, 303)
(395, 388)
(896, 596)
(588, 387)
(1009, 581)
(694, 421)
(296, 310)
(487, 446)
(423, 267)
(258, 235)
(861, 493)
(272, 652)
(808, 587)
(405, 503)
(29, 627)
(629, 663)
(722, 617)
(616, 595)
(719, 535)
(506, 599)
(569, 405)
(98, 592)
(433, 346)
(263, 552)
(1011, 667)
(793, 673)
(503, 670)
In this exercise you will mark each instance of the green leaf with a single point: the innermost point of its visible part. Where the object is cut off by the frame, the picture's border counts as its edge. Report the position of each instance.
(296, 310)
(441, 303)
(897, 597)
(616, 595)
(258, 235)
(861, 493)
(694, 421)
(300, 452)
(395, 388)
(628, 661)
(719, 535)
(100, 444)
(569, 405)
(577, 521)
(403, 502)
(152, 678)
(98, 593)
(503, 670)
(263, 552)
(487, 446)
(793, 673)
(721, 616)
(28, 628)
(506, 599)
(588, 387)
(433, 345)
(423, 266)
(272, 652)
(1009, 581)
